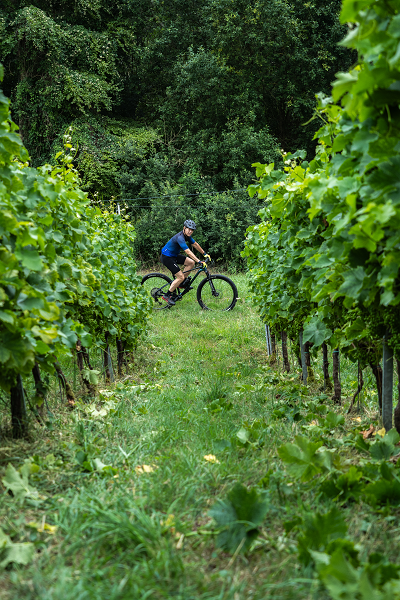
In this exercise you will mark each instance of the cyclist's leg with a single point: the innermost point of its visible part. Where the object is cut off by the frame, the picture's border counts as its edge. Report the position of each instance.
(178, 276)
(189, 263)
(172, 263)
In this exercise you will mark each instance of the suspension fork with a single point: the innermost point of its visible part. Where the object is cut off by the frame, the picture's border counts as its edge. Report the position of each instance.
(210, 281)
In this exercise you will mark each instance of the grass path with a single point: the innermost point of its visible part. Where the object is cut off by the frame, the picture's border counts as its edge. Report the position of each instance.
(124, 494)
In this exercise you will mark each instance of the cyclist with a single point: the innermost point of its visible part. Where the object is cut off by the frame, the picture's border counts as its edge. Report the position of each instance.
(171, 258)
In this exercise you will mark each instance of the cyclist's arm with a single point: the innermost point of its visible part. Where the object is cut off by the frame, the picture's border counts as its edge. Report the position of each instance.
(197, 247)
(191, 255)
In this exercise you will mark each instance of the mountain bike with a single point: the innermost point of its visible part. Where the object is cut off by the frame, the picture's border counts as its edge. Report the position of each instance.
(214, 292)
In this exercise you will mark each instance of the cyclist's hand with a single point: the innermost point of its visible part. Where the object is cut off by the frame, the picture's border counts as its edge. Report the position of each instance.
(207, 257)
(202, 264)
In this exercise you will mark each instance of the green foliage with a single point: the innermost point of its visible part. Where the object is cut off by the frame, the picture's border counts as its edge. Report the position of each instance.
(325, 252)
(40, 220)
(252, 435)
(113, 155)
(66, 268)
(318, 531)
(18, 483)
(383, 449)
(190, 72)
(332, 420)
(11, 552)
(221, 221)
(304, 459)
(377, 578)
(219, 405)
(239, 515)
(344, 486)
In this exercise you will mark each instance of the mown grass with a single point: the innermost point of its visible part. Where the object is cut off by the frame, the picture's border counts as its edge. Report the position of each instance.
(141, 529)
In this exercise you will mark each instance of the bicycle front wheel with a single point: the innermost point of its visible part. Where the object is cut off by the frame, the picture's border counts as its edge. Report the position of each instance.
(217, 292)
(157, 284)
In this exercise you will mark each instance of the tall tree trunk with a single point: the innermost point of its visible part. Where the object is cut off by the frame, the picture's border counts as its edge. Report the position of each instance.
(80, 353)
(337, 389)
(40, 390)
(286, 364)
(397, 409)
(105, 358)
(377, 371)
(120, 354)
(325, 361)
(359, 388)
(310, 372)
(272, 358)
(19, 421)
(67, 388)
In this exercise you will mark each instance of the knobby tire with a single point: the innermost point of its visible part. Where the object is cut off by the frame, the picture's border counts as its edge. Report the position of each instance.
(154, 281)
(226, 289)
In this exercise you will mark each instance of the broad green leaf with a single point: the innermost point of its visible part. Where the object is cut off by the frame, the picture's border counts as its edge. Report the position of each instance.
(18, 484)
(18, 553)
(316, 332)
(30, 259)
(318, 530)
(303, 460)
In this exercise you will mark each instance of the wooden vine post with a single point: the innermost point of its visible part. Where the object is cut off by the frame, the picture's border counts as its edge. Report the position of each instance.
(120, 356)
(310, 372)
(19, 420)
(66, 386)
(40, 390)
(303, 358)
(337, 388)
(397, 409)
(82, 355)
(387, 391)
(285, 357)
(325, 368)
(273, 349)
(106, 360)
(378, 374)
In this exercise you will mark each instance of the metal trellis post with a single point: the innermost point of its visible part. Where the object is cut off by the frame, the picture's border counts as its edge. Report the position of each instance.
(387, 386)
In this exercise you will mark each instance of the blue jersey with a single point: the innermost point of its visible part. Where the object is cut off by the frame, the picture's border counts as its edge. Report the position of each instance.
(176, 244)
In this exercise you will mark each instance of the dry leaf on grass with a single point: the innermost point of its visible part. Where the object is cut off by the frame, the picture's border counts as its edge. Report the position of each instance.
(381, 432)
(144, 469)
(368, 432)
(211, 458)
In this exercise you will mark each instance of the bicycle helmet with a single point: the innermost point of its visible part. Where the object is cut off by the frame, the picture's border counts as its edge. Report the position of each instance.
(190, 224)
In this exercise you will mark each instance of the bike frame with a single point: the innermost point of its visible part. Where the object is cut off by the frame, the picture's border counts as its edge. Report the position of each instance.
(206, 272)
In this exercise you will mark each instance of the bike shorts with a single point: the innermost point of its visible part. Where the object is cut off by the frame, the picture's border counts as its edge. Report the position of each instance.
(172, 262)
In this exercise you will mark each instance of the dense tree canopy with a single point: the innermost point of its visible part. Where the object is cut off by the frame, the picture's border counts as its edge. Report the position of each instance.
(220, 83)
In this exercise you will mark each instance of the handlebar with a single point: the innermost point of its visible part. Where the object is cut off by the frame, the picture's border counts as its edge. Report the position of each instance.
(206, 260)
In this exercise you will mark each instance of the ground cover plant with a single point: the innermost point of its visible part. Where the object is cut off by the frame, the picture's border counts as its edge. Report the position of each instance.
(203, 472)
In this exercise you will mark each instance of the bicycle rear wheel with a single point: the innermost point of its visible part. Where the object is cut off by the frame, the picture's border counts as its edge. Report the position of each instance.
(157, 284)
(217, 293)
